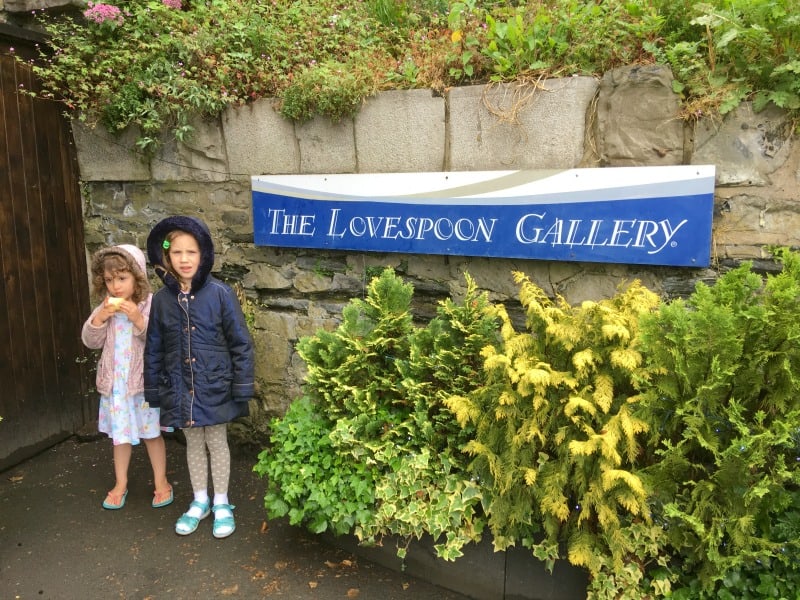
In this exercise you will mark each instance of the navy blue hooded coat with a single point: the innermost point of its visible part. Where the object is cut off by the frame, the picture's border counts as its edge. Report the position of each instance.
(198, 357)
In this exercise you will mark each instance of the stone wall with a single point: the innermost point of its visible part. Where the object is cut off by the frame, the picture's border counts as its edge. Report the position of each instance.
(630, 117)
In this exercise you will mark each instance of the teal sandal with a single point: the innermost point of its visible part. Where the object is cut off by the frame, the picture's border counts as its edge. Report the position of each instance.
(224, 525)
(188, 524)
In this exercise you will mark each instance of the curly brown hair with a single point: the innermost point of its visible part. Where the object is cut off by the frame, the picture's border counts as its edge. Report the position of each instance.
(114, 263)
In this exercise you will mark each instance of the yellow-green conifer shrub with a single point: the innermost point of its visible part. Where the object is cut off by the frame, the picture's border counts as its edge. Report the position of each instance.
(556, 438)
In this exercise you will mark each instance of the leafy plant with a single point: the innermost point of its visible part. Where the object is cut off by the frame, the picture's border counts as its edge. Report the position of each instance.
(309, 480)
(722, 395)
(717, 54)
(556, 438)
(427, 490)
(655, 444)
(333, 89)
(373, 409)
(155, 65)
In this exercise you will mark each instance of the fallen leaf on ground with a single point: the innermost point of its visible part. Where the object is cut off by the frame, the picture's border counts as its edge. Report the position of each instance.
(312, 584)
(353, 593)
(15, 478)
(231, 590)
(264, 527)
(272, 587)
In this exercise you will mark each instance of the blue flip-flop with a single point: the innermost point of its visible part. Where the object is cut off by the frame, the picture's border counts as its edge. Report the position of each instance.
(108, 505)
(165, 502)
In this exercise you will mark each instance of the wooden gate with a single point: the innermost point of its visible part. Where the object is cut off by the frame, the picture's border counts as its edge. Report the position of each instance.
(44, 376)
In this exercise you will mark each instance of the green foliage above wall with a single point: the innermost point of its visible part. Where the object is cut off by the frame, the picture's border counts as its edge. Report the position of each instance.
(156, 64)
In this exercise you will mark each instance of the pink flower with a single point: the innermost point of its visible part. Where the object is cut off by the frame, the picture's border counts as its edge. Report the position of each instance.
(176, 4)
(102, 13)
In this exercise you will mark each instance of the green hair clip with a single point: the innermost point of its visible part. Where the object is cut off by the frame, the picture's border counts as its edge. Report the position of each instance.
(165, 244)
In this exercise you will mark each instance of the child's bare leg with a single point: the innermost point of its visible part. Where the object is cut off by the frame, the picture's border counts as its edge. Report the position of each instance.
(157, 451)
(122, 460)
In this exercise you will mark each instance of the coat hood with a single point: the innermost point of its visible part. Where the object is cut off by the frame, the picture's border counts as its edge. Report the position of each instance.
(132, 255)
(134, 261)
(155, 249)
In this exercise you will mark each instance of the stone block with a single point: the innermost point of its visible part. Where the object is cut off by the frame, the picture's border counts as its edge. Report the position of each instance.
(265, 277)
(272, 355)
(481, 573)
(755, 220)
(746, 147)
(478, 574)
(31, 5)
(326, 147)
(528, 579)
(401, 131)
(519, 126)
(106, 157)
(259, 141)
(638, 119)
(307, 282)
(200, 157)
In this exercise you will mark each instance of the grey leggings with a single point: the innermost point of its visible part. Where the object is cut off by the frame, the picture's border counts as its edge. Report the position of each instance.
(215, 437)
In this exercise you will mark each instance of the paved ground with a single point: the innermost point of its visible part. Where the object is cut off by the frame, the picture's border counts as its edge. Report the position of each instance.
(56, 542)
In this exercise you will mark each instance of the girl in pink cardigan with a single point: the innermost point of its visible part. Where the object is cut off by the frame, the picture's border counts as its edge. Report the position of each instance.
(119, 326)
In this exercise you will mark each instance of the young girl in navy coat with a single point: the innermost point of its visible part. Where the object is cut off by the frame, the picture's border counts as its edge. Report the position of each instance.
(198, 363)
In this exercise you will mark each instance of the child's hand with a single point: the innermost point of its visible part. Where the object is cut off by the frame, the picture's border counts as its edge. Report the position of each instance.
(110, 306)
(131, 310)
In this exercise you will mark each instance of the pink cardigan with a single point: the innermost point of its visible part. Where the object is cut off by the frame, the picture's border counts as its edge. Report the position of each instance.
(103, 337)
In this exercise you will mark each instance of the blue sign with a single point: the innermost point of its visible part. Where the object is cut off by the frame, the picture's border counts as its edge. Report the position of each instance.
(635, 215)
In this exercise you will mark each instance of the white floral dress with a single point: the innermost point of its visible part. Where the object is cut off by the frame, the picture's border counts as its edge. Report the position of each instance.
(124, 418)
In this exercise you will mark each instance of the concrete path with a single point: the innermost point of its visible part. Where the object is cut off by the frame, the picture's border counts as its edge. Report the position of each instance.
(57, 542)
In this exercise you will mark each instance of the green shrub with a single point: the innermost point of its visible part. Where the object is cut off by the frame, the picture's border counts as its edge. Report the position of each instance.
(717, 52)
(556, 438)
(427, 490)
(656, 445)
(372, 426)
(723, 400)
(309, 480)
